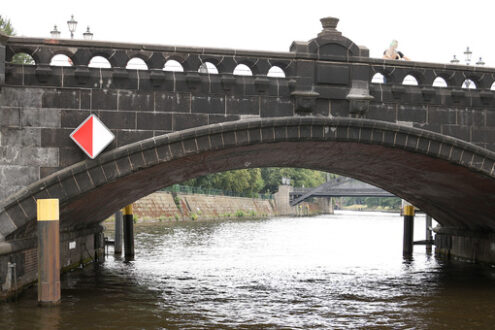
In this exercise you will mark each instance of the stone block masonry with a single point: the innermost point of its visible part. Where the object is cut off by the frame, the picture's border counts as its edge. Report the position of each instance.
(161, 206)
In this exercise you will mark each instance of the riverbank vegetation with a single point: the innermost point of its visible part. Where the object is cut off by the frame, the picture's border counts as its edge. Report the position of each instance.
(369, 203)
(259, 180)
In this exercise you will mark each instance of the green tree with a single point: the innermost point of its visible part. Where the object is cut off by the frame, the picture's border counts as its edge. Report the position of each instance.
(258, 180)
(300, 177)
(7, 28)
(247, 181)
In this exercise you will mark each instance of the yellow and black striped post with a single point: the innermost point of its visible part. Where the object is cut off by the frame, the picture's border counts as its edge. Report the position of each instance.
(48, 251)
(128, 218)
(407, 247)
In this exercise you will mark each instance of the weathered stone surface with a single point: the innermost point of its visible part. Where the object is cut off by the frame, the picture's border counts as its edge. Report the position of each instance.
(172, 102)
(20, 137)
(28, 156)
(40, 117)
(15, 177)
(9, 117)
(21, 98)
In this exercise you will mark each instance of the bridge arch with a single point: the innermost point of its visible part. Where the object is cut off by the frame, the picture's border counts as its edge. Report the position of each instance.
(452, 180)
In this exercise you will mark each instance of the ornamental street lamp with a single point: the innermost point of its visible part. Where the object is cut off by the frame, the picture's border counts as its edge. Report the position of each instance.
(87, 35)
(467, 54)
(467, 58)
(55, 33)
(480, 62)
(72, 24)
(454, 60)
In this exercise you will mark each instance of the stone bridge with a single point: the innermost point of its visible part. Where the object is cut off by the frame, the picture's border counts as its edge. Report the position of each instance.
(221, 109)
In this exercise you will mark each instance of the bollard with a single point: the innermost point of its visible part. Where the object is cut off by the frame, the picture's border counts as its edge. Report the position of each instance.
(118, 233)
(429, 234)
(48, 251)
(128, 232)
(407, 247)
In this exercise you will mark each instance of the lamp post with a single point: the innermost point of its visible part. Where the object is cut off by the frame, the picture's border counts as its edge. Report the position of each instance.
(87, 35)
(72, 24)
(454, 60)
(468, 54)
(467, 58)
(55, 34)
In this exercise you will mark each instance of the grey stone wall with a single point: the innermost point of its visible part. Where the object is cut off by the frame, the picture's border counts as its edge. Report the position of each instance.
(22, 154)
(469, 119)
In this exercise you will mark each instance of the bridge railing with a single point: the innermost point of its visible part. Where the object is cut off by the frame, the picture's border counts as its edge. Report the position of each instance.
(155, 57)
(225, 61)
(303, 69)
(176, 188)
(424, 74)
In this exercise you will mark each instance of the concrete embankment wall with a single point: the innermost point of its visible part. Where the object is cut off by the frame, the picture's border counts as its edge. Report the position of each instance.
(165, 206)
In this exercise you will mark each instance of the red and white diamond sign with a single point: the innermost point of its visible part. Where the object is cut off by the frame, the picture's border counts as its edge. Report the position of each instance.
(92, 136)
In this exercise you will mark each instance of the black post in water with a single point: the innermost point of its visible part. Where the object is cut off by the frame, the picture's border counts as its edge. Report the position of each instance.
(128, 232)
(407, 247)
(429, 234)
(118, 233)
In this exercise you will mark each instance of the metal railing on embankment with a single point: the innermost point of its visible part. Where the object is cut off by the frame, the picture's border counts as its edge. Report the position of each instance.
(177, 188)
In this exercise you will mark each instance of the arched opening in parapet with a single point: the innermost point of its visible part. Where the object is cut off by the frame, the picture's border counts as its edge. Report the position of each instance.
(439, 82)
(242, 70)
(276, 72)
(208, 68)
(173, 66)
(410, 80)
(136, 63)
(22, 58)
(468, 84)
(99, 62)
(493, 86)
(378, 78)
(61, 60)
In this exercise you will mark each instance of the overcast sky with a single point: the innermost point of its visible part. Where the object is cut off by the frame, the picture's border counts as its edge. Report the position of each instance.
(430, 31)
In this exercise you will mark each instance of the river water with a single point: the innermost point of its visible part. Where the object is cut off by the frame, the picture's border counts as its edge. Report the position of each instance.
(334, 271)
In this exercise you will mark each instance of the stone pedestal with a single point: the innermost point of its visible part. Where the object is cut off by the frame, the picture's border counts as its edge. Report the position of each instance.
(281, 198)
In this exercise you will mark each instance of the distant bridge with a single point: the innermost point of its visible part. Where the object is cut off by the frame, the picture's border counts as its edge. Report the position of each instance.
(340, 187)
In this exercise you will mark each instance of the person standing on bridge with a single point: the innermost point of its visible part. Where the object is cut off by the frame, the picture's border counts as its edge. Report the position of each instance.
(393, 54)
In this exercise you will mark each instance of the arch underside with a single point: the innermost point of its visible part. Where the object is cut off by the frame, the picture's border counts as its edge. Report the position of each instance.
(453, 194)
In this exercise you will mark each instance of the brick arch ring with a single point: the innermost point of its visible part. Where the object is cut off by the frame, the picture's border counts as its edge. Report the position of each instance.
(452, 180)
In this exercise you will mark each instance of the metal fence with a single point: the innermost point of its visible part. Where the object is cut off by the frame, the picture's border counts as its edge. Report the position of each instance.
(177, 188)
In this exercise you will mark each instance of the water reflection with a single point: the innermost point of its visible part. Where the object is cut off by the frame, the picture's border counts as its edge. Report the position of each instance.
(341, 271)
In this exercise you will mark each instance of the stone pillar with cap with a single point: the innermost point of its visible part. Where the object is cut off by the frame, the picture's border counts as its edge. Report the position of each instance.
(321, 82)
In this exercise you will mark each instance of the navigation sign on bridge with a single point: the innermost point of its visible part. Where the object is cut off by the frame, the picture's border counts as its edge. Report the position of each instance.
(92, 136)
